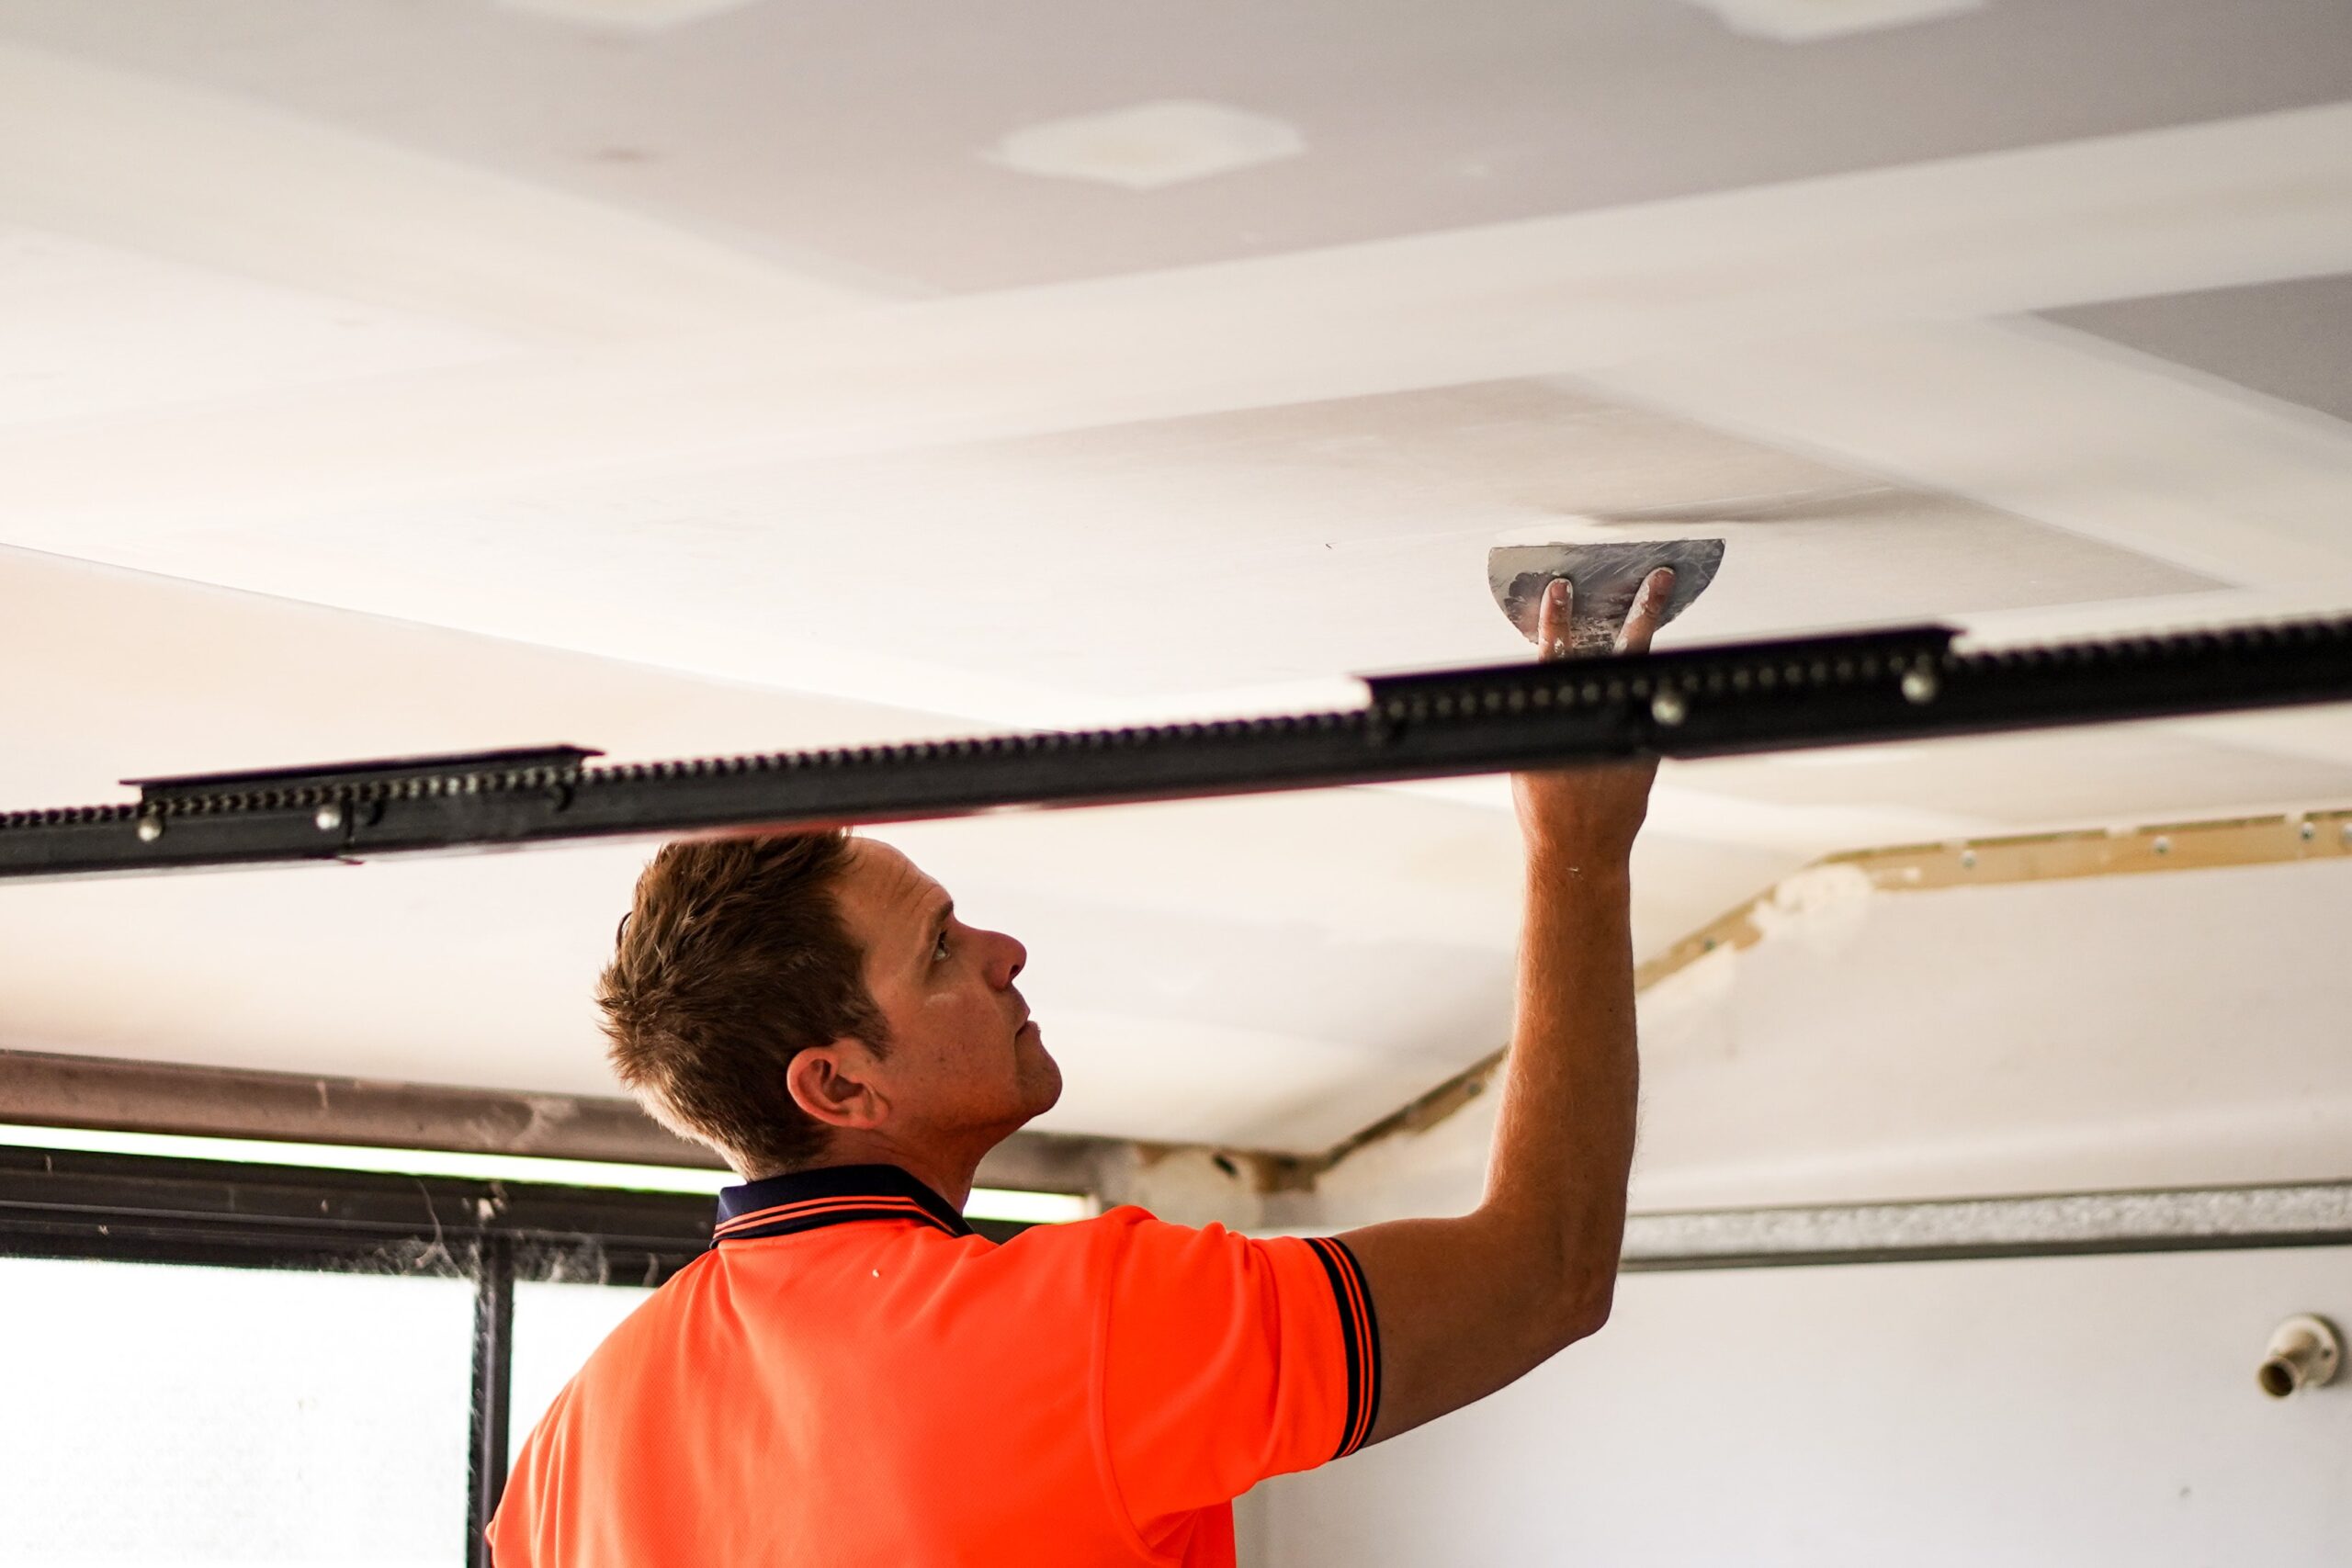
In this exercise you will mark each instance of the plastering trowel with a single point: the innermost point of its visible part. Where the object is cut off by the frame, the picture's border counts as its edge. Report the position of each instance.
(1606, 578)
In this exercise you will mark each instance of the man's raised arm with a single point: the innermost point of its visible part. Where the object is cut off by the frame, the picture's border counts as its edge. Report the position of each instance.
(1469, 1304)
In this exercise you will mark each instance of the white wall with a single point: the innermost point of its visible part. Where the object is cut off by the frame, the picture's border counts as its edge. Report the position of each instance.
(2066, 1410)
(2173, 1030)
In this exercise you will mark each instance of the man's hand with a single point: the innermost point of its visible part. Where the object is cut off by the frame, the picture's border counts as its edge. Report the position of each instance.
(1467, 1304)
(1579, 815)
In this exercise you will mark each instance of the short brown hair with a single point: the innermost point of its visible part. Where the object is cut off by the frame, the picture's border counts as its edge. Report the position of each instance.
(733, 960)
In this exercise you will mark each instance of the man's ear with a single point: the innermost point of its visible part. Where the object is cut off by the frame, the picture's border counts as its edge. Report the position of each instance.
(834, 1084)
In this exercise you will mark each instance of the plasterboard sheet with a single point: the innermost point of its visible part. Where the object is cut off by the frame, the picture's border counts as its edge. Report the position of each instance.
(1225, 1025)
(92, 329)
(1263, 972)
(2119, 774)
(145, 677)
(2066, 1036)
(207, 177)
(2051, 424)
(1270, 971)
(2291, 341)
(842, 130)
(1072, 577)
(2097, 1034)
(2161, 211)
(677, 493)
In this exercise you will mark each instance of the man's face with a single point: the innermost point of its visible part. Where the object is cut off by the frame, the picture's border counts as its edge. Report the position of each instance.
(964, 1055)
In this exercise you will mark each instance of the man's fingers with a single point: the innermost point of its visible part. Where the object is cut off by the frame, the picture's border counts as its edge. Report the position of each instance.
(1557, 610)
(1552, 619)
(1649, 609)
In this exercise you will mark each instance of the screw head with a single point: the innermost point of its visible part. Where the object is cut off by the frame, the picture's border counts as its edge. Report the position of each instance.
(2163, 845)
(329, 817)
(150, 829)
(1968, 860)
(1670, 707)
(1919, 685)
(2310, 831)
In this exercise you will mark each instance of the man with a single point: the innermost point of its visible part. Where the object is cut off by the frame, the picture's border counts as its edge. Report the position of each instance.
(851, 1377)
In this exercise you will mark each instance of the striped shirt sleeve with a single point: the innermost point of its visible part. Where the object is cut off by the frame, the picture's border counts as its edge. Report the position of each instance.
(1228, 1358)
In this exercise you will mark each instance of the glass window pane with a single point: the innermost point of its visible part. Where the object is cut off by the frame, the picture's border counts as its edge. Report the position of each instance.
(556, 1325)
(159, 1414)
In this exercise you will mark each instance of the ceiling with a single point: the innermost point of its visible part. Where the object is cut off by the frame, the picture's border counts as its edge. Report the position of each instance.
(679, 377)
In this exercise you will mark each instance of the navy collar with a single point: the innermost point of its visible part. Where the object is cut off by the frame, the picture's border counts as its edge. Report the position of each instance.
(830, 1195)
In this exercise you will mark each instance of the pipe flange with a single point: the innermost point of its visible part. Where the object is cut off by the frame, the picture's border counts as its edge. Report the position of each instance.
(2305, 1352)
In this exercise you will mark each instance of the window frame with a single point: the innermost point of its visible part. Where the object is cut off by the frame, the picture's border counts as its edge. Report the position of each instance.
(495, 1234)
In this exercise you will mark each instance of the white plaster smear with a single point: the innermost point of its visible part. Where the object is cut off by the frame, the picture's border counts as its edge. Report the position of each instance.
(2234, 201)
(625, 16)
(1807, 21)
(1145, 147)
(1824, 907)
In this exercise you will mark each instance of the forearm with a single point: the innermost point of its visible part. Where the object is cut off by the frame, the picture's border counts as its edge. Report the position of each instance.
(1469, 1303)
(1563, 1134)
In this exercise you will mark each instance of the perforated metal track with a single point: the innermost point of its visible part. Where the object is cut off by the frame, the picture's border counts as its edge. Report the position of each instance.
(1900, 684)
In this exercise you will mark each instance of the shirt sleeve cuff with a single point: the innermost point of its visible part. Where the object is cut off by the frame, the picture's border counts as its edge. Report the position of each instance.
(1360, 1337)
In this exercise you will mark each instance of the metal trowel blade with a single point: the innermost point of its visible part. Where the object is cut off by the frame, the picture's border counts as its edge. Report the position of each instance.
(1606, 578)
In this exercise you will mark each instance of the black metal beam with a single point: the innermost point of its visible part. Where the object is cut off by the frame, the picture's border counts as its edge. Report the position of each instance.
(1903, 683)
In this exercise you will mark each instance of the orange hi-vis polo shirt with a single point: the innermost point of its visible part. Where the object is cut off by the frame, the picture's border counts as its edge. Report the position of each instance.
(849, 1376)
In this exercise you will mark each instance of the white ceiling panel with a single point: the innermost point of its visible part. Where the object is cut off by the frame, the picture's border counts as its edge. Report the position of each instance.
(858, 130)
(154, 162)
(2111, 774)
(92, 329)
(682, 377)
(1271, 972)
(1070, 579)
(2282, 340)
